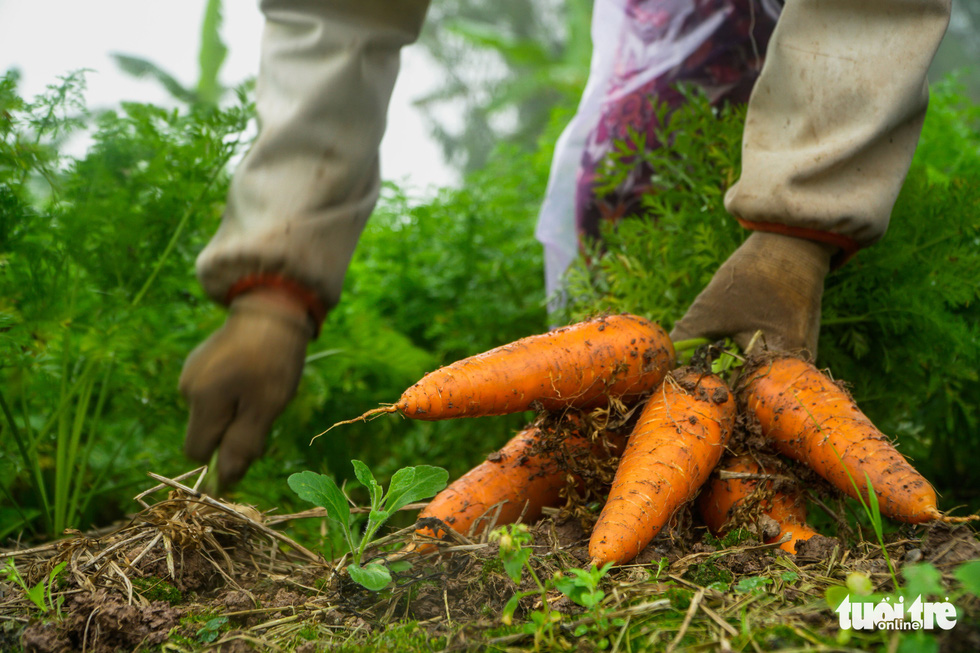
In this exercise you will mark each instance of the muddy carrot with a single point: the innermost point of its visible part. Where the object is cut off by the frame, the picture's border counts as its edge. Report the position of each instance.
(677, 441)
(577, 366)
(811, 419)
(525, 476)
(721, 496)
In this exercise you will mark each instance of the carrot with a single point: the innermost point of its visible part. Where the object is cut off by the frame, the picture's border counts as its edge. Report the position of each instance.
(577, 366)
(811, 419)
(722, 496)
(525, 476)
(677, 441)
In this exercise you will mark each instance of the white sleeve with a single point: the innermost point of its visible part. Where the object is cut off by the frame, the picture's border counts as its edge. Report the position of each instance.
(835, 117)
(301, 196)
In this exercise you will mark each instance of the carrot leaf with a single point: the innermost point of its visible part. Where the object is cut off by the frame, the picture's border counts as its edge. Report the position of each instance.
(366, 478)
(373, 576)
(411, 484)
(322, 490)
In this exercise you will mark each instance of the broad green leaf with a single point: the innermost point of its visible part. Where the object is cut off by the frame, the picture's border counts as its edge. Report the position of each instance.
(591, 599)
(969, 576)
(753, 583)
(918, 642)
(321, 490)
(922, 579)
(373, 576)
(411, 484)
(399, 566)
(835, 595)
(36, 595)
(209, 631)
(507, 616)
(514, 563)
(366, 478)
(859, 583)
(570, 587)
(139, 68)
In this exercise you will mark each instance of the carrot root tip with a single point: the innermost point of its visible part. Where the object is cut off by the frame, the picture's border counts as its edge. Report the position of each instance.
(371, 414)
(958, 520)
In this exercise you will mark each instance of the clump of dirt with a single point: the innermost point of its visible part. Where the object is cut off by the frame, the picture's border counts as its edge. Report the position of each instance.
(102, 623)
(947, 545)
(467, 592)
(816, 548)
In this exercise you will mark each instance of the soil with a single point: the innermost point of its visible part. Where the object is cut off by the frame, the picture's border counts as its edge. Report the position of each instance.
(219, 579)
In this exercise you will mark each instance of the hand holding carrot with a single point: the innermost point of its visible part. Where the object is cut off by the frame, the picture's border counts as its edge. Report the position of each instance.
(772, 283)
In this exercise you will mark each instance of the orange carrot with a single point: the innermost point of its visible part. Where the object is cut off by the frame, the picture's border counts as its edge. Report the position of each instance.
(811, 419)
(784, 506)
(525, 476)
(578, 366)
(677, 441)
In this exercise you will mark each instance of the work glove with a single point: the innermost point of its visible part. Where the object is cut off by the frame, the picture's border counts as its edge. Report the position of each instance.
(241, 378)
(773, 283)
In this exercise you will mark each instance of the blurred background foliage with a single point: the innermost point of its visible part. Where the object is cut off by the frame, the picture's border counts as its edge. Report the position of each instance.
(99, 305)
(506, 65)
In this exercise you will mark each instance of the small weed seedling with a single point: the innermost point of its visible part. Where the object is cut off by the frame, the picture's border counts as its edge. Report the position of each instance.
(580, 586)
(209, 632)
(408, 485)
(42, 594)
(515, 557)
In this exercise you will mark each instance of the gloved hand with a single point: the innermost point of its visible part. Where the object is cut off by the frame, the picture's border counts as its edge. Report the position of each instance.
(772, 283)
(241, 378)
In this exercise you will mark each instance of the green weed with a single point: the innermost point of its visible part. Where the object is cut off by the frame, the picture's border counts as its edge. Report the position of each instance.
(408, 485)
(41, 594)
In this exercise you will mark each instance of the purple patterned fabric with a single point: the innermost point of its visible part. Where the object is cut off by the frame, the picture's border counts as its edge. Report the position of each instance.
(717, 45)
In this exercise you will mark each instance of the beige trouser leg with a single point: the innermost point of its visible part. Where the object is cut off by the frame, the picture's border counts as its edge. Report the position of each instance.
(835, 117)
(300, 198)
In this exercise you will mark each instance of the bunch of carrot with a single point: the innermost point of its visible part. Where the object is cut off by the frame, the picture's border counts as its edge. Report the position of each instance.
(677, 441)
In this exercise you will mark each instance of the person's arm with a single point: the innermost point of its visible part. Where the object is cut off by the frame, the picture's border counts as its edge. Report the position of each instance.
(302, 195)
(831, 128)
(296, 208)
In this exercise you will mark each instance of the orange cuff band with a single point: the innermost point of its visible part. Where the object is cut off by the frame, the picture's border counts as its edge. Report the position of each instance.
(848, 246)
(314, 305)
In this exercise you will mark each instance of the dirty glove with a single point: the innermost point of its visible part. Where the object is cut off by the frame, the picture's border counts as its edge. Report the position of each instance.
(773, 283)
(241, 378)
